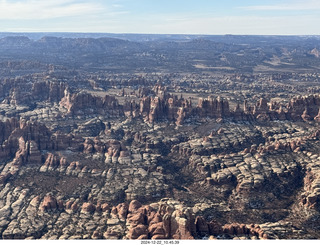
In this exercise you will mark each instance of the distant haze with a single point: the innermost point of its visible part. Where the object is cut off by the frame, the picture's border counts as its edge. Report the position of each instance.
(264, 17)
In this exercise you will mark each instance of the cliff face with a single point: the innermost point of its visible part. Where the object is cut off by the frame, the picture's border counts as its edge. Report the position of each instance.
(177, 110)
(84, 103)
(48, 91)
(28, 141)
(213, 108)
(156, 104)
(22, 93)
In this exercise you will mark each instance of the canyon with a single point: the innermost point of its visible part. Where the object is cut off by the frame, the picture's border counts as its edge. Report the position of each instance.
(124, 154)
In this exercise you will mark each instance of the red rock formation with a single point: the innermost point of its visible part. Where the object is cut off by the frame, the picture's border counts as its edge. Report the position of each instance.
(134, 206)
(49, 203)
(131, 109)
(171, 108)
(260, 110)
(88, 207)
(88, 146)
(50, 91)
(34, 155)
(238, 113)
(19, 97)
(166, 222)
(7, 127)
(105, 207)
(28, 152)
(136, 218)
(122, 210)
(299, 108)
(214, 108)
(157, 109)
(154, 217)
(60, 141)
(242, 229)
(83, 103)
(35, 131)
(163, 107)
(74, 165)
(35, 201)
(138, 232)
(145, 106)
(114, 148)
(72, 205)
(181, 116)
(298, 105)
(278, 145)
(21, 154)
(53, 161)
(281, 115)
(98, 146)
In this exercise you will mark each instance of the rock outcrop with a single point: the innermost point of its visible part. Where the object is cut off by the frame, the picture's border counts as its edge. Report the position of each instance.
(49, 203)
(168, 219)
(48, 91)
(84, 103)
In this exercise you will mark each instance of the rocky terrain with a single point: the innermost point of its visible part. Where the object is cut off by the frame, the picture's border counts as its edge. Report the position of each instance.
(146, 155)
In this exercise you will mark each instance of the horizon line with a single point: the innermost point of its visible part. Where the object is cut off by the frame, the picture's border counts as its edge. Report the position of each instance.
(137, 33)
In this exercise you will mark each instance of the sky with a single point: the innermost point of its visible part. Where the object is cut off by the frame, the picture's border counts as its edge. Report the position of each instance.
(215, 17)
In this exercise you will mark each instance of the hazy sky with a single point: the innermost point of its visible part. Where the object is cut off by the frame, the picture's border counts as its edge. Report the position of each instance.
(287, 17)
